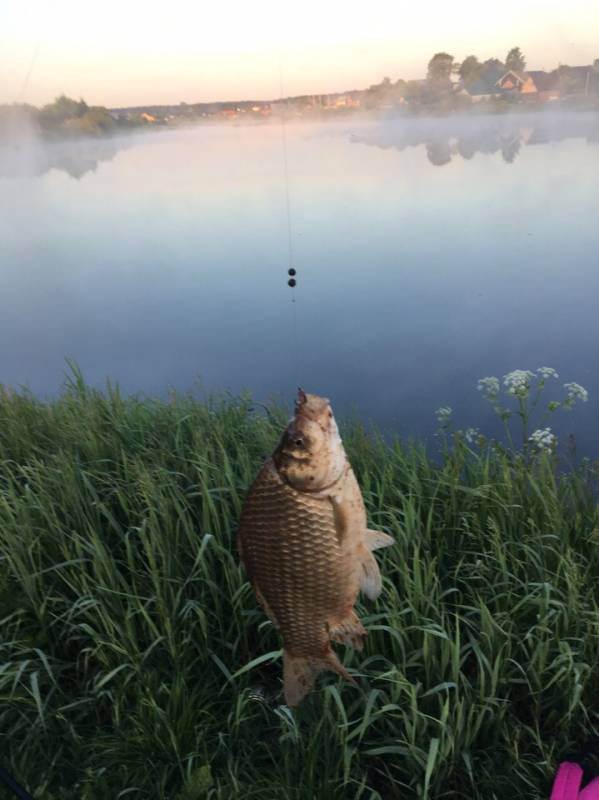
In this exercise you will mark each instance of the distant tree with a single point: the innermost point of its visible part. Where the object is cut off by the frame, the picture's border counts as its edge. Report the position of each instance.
(515, 60)
(492, 63)
(384, 93)
(414, 91)
(82, 107)
(439, 71)
(95, 122)
(16, 120)
(62, 109)
(470, 69)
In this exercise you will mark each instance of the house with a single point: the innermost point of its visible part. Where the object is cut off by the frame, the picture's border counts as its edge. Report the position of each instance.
(535, 83)
(546, 84)
(579, 80)
(516, 82)
(346, 100)
(497, 82)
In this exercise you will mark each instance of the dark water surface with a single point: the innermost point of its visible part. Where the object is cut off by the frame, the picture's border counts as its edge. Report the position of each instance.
(429, 253)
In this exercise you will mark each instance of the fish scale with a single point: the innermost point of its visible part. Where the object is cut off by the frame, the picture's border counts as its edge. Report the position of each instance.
(292, 555)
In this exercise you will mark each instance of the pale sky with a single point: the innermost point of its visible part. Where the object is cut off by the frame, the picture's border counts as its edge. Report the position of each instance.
(134, 52)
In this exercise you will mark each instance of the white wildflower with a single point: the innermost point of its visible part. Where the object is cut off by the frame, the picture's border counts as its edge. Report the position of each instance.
(576, 392)
(518, 382)
(443, 415)
(489, 387)
(543, 439)
(547, 372)
(471, 435)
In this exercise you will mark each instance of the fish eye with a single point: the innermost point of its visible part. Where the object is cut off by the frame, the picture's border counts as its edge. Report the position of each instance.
(299, 442)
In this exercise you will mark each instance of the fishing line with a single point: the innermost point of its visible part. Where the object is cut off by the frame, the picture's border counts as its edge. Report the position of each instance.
(27, 78)
(291, 271)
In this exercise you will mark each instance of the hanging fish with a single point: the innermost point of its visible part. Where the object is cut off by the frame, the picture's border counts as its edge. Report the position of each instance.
(305, 546)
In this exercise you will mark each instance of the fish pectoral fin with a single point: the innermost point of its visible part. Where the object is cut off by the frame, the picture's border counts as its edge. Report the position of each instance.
(299, 674)
(349, 631)
(370, 577)
(374, 540)
(342, 517)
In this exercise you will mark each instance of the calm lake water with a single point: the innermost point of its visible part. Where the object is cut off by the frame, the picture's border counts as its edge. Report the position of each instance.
(429, 253)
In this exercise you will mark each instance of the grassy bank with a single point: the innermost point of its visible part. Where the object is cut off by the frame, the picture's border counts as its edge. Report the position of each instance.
(134, 662)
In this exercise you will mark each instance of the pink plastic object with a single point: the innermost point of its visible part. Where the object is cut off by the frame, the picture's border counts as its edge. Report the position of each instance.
(590, 791)
(567, 784)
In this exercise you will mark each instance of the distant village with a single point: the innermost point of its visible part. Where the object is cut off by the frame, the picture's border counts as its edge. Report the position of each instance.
(448, 86)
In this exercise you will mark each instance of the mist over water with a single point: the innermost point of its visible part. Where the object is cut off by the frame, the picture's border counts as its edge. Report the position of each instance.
(429, 253)
(464, 136)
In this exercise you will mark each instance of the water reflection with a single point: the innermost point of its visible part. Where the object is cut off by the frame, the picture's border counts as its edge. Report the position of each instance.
(444, 138)
(466, 136)
(31, 158)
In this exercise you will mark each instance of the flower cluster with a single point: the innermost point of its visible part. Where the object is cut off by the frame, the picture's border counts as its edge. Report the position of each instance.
(471, 435)
(518, 382)
(547, 372)
(526, 389)
(575, 392)
(443, 416)
(543, 439)
(489, 387)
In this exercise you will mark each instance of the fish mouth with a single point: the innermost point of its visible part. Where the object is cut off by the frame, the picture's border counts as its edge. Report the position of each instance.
(293, 457)
(313, 407)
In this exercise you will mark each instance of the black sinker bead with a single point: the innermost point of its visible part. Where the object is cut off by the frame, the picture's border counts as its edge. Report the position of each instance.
(291, 272)
(291, 282)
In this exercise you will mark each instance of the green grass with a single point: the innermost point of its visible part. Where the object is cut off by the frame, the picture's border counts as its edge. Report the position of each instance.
(134, 662)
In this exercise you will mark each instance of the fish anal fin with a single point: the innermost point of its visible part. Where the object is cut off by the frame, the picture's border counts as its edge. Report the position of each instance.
(349, 631)
(299, 674)
(374, 540)
(370, 576)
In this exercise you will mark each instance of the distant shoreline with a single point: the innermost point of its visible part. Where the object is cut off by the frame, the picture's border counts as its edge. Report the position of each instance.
(22, 123)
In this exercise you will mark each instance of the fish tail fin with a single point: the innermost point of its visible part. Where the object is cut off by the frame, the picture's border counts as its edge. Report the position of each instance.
(299, 674)
(349, 631)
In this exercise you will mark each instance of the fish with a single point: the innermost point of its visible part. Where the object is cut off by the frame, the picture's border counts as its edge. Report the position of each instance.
(306, 548)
